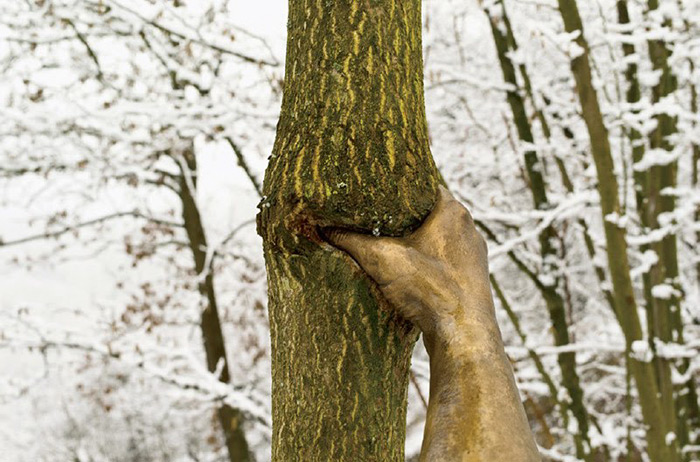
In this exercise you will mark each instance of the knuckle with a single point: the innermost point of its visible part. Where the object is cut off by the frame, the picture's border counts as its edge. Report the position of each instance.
(460, 215)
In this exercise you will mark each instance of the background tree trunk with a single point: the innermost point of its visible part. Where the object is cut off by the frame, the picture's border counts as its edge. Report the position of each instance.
(230, 418)
(352, 151)
(538, 187)
(660, 447)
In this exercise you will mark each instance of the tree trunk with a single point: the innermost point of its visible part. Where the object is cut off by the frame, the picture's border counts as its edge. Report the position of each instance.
(641, 177)
(230, 419)
(550, 291)
(693, 417)
(660, 448)
(667, 324)
(351, 151)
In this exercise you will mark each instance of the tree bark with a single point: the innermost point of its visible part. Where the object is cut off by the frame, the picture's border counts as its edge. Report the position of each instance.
(658, 427)
(230, 419)
(693, 416)
(641, 177)
(351, 151)
(666, 324)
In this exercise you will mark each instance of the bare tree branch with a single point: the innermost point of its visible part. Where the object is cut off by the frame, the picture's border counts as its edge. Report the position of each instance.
(196, 40)
(244, 165)
(85, 224)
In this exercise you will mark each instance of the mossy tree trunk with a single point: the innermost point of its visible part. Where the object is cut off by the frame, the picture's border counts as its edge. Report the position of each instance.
(351, 151)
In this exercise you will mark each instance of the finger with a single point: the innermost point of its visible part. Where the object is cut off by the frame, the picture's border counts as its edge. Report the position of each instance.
(380, 257)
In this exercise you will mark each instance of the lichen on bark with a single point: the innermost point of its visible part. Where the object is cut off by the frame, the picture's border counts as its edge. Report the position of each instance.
(351, 151)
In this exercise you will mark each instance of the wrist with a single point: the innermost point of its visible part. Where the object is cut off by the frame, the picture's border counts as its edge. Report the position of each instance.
(470, 332)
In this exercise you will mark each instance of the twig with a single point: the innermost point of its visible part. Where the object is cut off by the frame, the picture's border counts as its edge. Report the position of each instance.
(414, 381)
(67, 229)
(91, 53)
(244, 165)
(197, 40)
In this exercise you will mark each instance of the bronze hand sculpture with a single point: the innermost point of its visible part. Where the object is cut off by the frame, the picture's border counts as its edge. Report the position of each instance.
(438, 278)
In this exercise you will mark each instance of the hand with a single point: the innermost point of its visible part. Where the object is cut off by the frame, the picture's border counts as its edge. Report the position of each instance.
(435, 277)
(438, 278)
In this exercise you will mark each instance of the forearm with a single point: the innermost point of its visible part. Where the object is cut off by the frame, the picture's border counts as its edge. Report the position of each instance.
(474, 411)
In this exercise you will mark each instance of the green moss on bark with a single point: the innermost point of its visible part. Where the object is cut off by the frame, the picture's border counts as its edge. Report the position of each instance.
(351, 151)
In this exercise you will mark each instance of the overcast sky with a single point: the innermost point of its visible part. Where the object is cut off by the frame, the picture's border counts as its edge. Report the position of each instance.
(267, 18)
